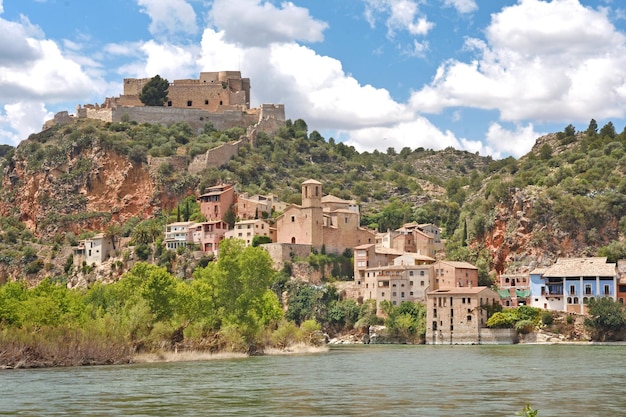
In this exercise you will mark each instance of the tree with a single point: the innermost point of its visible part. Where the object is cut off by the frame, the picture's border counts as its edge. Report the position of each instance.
(230, 218)
(606, 318)
(593, 128)
(154, 93)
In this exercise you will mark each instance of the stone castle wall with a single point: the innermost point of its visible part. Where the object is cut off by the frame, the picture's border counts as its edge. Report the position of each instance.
(213, 91)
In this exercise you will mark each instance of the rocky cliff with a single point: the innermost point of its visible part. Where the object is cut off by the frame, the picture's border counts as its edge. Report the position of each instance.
(71, 179)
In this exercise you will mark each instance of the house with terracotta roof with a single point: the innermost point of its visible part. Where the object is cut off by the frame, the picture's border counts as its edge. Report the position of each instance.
(571, 282)
(451, 274)
(216, 201)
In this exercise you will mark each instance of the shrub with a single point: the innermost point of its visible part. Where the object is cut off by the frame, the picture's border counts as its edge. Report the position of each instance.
(547, 318)
(286, 335)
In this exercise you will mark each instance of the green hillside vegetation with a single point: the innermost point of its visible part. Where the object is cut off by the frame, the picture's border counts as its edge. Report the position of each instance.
(574, 183)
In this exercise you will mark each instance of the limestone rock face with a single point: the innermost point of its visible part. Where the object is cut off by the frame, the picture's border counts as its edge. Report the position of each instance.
(72, 188)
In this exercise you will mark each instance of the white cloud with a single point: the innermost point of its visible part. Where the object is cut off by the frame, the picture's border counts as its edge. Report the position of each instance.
(557, 61)
(33, 71)
(256, 23)
(462, 6)
(412, 134)
(401, 15)
(20, 120)
(169, 17)
(518, 142)
(1, 7)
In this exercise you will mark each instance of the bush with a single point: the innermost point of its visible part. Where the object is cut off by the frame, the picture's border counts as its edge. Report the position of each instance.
(286, 335)
(547, 318)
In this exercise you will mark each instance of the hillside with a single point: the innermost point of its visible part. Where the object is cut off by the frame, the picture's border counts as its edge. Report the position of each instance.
(565, 198)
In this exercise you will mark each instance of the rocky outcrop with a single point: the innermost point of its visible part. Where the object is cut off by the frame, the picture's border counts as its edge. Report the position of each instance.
(73, 186)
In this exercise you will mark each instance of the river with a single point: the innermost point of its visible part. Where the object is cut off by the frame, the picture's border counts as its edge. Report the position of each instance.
(375, 380)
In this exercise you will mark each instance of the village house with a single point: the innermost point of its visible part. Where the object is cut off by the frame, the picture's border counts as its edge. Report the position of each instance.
(205, 235)
(514, 290)
(424, 239)
(94, 250)
(570, 282)
(257, 206)
(216, 201)
(320, 227)
(247, 229)
(621, 283)
(407, 279)
(451, 274)
(459, 315)
(208, 235)
(177, 235)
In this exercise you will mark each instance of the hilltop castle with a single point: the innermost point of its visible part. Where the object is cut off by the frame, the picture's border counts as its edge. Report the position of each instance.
(221, 98)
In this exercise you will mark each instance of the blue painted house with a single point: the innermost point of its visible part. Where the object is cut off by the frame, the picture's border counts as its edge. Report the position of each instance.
(570, 282)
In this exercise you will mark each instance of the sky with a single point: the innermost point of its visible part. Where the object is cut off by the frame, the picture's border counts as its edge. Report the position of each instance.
(484, 76)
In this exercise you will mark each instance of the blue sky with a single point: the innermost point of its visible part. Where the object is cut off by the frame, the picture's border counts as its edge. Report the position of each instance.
(484, 76)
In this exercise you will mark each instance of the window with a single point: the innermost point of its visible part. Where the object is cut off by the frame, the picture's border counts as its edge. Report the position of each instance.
(572, 290)
(411, 273)
(421, 283)
(402, 294)
(587, 289)
(382, 294)
(422, 273)
(206, 102)
(169, 103)
(607, 289)
(411, 293)
(469, 318)
(394, 294)
(293, 219)
(189, 103)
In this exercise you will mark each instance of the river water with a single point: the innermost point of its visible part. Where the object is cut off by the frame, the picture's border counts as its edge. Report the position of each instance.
(375, 380)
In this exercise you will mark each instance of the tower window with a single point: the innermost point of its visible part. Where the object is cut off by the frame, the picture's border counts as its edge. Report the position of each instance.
(206, 102)
(189, 103)
(169, 103)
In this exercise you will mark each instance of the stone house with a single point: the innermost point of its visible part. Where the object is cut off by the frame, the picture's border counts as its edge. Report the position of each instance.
(247, 229)
(320, 227)
(570, 282)
(458, 314)
(216, 201)
(451, 274)
(411, 237)
(94, 250)
(256, 206)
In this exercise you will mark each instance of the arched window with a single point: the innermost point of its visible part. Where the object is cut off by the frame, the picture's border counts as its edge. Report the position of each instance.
(293, 240)
(569, 300)
(575, 300)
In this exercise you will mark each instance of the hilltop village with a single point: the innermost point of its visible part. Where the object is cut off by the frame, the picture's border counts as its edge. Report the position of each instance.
(390, 267)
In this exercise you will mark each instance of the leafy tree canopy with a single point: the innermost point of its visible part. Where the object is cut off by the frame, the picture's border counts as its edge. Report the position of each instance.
(154, 93)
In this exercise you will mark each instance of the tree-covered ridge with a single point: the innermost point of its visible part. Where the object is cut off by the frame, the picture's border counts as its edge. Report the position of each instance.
(566, 197)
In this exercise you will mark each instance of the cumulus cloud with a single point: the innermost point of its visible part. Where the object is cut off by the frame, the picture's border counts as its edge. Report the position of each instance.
(551, 62)
(401, 15)
(33, 71)
(462, 6)
(260, 23)
(501, 141)
(15, 49)
(20, 120)
(169, 17)
(412, 134)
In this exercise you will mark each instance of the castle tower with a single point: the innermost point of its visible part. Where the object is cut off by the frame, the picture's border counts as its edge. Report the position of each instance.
(312, 210)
